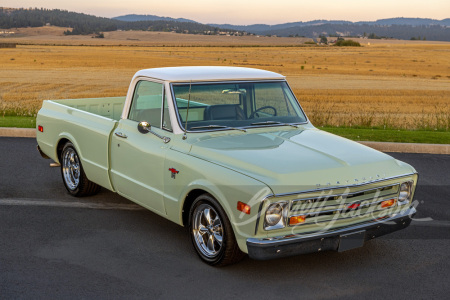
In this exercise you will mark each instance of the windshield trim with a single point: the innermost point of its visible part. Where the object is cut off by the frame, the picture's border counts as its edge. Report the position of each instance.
(180, 124)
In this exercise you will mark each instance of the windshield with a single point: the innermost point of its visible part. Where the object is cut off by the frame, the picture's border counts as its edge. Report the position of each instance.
(237, 104)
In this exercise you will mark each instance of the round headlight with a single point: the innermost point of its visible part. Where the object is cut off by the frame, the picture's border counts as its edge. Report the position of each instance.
(405, 191)
(274, 214)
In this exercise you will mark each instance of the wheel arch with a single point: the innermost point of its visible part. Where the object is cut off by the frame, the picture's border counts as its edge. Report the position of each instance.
(60, 146)
(204, 187)
(188, 200)
(63, 139)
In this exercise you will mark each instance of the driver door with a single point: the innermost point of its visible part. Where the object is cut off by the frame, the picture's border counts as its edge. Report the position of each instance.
(137, 160)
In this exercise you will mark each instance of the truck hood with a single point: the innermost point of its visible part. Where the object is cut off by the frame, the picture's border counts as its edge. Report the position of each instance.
(298, 159)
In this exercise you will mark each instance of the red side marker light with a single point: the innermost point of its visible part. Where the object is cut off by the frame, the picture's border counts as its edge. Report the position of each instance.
(388, 203)
(353, 206)
(40, 128)
(243, 207)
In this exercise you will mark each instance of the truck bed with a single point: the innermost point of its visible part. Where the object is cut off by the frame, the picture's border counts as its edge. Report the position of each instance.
(88, 123)
(110, 107)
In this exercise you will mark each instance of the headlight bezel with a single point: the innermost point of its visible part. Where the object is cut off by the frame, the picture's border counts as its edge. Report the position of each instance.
(281, 222)
(404, 192)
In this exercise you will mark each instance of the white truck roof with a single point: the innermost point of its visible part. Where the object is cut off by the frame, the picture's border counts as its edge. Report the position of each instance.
(207, 73)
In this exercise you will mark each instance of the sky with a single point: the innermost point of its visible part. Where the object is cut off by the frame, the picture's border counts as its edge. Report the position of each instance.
(245, 12)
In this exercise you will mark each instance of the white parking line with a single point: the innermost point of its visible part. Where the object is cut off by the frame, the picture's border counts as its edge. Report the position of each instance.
(119, 206)
(70, 204)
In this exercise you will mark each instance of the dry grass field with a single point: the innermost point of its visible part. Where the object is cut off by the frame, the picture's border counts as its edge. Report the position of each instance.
(51, 35)
(404, 85)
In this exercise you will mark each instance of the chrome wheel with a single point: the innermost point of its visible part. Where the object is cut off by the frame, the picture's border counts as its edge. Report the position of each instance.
(71, 168)
(207, 230)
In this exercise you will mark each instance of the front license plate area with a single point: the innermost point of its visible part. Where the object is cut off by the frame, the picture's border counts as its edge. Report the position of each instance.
(351, 241)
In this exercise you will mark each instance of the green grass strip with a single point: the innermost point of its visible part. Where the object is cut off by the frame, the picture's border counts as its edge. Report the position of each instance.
(20, 122)
(391, 135)
(356, 134)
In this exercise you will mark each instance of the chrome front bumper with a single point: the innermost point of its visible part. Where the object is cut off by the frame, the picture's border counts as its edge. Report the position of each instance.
(295, 244)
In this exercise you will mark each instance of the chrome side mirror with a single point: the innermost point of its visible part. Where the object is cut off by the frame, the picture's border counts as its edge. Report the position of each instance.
(144, 127)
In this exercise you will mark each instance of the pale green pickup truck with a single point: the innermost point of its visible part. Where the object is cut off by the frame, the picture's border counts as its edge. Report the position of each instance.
(229, 153)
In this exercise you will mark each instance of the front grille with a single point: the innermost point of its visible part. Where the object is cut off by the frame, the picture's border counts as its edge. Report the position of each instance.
(330, 206)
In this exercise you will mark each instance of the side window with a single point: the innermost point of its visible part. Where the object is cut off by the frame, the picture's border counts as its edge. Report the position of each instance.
(147, 102)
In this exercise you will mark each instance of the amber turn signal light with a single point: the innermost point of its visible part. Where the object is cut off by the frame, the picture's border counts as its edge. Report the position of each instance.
(243, 207)
(296, 220)
(387, 203)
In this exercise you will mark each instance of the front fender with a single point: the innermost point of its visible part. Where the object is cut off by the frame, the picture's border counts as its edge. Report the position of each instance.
(225, 185)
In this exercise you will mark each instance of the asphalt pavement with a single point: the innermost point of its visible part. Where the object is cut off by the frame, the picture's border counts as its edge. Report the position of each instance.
(54, 246)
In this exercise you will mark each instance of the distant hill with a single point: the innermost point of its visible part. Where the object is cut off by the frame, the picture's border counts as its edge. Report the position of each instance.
(263, 28)
(409, 22)
(398, 28)
(402, 32)
(88, 24)
(81, 23)
(134, 18)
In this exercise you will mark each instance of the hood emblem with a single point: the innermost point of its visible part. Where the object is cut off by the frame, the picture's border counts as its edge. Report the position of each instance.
(174, 172)
(354, 181)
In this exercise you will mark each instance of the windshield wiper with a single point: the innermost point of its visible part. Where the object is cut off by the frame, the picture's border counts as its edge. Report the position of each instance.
(274, 123)
(217, 127)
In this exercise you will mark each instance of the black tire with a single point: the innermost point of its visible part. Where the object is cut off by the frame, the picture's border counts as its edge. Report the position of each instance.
(74, 178)
(214, 253)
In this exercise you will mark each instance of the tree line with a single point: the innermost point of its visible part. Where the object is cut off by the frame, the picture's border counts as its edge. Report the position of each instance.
(88, 24)
(404, 32)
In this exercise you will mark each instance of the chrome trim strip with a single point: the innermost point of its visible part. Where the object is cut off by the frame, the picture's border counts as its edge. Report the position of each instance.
(336, 187)
(302, 237)
(181, 81)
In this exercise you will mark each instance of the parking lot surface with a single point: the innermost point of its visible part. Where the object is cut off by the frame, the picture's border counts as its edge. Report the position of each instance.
(53, 245)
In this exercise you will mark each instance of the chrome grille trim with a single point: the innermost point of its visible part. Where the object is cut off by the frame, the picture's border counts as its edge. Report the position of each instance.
(349, 203)
(339, 219)
(327, 197)
(371, 199)
(271, 198)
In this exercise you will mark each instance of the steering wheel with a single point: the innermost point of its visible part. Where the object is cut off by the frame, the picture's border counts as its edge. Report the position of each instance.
(261, 108)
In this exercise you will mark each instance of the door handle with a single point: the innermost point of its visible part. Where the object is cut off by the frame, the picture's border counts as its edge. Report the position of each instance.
(120, 134)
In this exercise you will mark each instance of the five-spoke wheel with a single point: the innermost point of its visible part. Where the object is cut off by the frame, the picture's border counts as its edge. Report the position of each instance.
(74, 178)
(207, 230)
(71, 168)
(211, 232)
